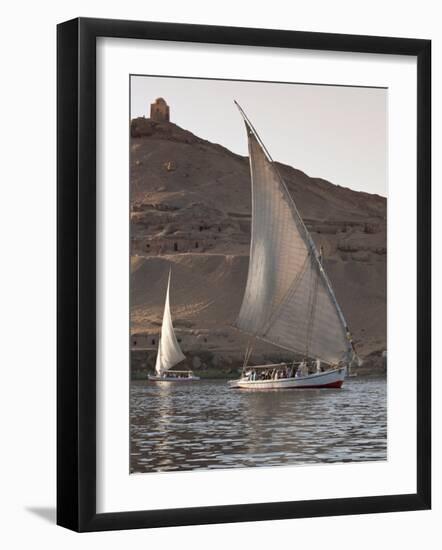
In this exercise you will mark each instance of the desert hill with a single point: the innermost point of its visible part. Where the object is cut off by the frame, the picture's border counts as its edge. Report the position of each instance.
(190, 208)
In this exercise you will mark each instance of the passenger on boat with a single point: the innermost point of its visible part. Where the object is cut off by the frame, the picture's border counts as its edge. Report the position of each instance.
(302, 370)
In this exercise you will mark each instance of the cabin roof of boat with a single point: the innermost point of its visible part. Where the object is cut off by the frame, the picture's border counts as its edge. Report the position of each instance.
(272, 366)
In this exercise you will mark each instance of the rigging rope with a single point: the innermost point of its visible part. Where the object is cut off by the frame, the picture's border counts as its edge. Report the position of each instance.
(312, 309)
(248, 353)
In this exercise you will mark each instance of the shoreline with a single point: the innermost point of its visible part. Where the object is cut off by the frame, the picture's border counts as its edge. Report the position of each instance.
(218, 365)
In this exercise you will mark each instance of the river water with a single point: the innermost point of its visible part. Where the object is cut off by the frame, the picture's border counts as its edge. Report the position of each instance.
(205, 425)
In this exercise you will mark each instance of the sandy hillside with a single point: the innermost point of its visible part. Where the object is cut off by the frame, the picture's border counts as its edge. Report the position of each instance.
(190, 209)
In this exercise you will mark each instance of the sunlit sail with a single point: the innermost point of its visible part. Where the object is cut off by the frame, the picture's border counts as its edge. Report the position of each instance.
(169, 352)
(288, 299)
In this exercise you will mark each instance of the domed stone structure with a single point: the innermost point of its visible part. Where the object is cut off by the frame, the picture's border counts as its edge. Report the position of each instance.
(159, 110)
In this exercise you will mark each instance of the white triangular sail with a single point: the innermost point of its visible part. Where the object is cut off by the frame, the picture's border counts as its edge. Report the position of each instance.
(169, 351)
(158, 361)
(288, 299)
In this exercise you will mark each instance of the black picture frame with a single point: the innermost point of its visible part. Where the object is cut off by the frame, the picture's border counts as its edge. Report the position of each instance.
(76, 273)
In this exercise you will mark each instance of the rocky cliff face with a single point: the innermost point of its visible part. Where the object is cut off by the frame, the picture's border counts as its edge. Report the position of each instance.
(190, 208)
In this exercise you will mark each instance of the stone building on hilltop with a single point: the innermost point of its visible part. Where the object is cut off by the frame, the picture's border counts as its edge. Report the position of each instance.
(159, 110)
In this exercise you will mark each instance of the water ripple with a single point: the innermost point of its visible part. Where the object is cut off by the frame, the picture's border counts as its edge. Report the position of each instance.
(205, 425)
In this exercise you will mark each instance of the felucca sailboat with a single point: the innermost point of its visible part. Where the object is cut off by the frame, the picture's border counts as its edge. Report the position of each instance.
(288, 299)
(169, 352)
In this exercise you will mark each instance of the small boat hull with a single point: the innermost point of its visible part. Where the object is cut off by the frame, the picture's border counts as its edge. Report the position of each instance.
(172, 379)
(329, 379)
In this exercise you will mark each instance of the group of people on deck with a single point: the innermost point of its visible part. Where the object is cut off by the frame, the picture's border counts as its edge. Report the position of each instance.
(177, 374)
(284, 371)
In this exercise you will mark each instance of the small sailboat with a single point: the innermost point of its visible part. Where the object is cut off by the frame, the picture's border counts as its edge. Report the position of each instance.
(288, 300)
(169, 352)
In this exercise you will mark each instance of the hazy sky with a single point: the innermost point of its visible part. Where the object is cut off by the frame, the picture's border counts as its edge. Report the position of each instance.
(336, 133)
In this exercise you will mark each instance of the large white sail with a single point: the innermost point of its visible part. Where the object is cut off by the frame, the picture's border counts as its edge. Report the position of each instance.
(169, 351)
(288, 299)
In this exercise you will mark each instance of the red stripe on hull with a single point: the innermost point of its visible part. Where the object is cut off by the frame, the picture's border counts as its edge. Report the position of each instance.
(336, 384)
(332, 385)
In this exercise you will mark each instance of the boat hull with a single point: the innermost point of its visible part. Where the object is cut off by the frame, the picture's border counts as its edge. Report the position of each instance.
(170, 379)
(330, 379)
